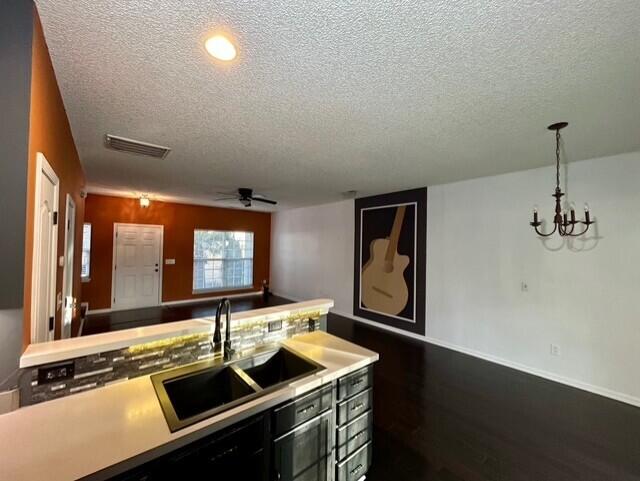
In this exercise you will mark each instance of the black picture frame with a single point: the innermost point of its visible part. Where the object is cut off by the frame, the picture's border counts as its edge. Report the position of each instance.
(373, 217)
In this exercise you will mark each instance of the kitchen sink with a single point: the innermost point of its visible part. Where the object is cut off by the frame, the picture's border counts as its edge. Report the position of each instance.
(209, 389)
(192, 393)
(275, 367)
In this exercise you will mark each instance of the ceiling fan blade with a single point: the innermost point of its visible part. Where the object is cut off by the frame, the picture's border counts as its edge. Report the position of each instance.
(266, 201)
(224, 198)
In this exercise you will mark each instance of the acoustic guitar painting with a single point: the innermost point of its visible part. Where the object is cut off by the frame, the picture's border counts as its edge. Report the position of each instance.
(383, 286)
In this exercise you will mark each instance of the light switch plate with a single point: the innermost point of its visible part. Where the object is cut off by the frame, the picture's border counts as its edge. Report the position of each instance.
(61, 261)
(169, 262)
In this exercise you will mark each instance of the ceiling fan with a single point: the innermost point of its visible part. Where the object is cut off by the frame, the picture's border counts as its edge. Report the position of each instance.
(246, 197)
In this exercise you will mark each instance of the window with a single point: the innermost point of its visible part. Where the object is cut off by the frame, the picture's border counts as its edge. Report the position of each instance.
(222, 260)
(86, 252)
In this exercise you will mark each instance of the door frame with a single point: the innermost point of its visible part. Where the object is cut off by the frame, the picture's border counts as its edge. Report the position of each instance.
(69, 202)
(113, 263)
(43, 166)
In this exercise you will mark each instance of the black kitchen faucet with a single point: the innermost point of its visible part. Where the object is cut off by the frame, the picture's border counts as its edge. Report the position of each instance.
(225, 303)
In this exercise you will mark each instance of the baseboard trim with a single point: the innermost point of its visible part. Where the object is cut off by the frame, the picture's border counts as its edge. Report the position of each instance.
(180, 302)
(99, 311)
(212, 298)
(583, 386)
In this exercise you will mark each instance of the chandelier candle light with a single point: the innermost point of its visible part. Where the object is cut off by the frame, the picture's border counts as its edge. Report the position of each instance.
(565, 226)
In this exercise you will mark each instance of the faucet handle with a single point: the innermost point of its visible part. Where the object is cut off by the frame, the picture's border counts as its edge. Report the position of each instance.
(228, 350)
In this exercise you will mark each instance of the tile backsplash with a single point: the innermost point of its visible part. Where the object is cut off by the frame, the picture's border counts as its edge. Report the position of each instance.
(101, 369)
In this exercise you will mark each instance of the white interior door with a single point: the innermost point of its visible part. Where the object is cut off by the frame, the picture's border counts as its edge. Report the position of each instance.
(69, 242)
(137, 268)
(45, 249)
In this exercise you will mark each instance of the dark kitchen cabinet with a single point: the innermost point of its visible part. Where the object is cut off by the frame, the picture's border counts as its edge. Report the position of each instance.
(298, 440)
(237, 452)
(301, 409)
(355, 466)
(306, 452)
(354, 430)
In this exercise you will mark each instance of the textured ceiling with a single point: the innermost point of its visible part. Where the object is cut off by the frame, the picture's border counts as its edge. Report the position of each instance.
(330, 96)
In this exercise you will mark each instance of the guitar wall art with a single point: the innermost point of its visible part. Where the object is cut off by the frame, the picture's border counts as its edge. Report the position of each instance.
(390, 257)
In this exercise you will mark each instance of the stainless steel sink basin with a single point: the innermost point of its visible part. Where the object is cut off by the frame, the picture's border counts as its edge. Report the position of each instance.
(192, 393)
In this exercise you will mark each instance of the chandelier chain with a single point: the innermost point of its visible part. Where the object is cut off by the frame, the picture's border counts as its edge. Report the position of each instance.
(558, 158)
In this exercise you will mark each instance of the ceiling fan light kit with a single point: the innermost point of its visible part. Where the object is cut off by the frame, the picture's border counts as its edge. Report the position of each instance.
(144, 201)
(563, 224)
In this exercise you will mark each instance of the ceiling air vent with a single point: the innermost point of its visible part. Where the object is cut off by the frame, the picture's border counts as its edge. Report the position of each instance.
(123, 144)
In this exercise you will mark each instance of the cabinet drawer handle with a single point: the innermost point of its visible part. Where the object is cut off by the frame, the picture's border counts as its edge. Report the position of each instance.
(356, 470)
(357, 407)
(359, 435)
(357, 382)
(305, 410)
(227, 452)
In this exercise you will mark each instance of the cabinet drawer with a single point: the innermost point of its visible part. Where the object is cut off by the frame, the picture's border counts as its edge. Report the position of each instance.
(302, 409)
(355, 383)
(355, 466)
(354, 435)
(354, 407)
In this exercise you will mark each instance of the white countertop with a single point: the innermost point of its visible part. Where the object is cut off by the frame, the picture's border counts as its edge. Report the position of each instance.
(46, 352)
(75, 436)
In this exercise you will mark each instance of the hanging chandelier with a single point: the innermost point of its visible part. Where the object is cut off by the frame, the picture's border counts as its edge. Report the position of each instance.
(562, 224)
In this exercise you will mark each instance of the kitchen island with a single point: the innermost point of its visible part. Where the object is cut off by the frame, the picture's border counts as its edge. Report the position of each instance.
(105, 432)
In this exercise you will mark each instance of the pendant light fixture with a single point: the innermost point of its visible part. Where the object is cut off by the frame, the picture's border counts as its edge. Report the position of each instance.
(562, 224)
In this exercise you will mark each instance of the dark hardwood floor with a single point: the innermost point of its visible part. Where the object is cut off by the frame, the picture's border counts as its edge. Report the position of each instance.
(114, 321)
(441, 415)
(444, 416)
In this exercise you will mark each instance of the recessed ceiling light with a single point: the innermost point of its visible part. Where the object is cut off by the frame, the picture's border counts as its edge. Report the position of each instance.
(220, 47)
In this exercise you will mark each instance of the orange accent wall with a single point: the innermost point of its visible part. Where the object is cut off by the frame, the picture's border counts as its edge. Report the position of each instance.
(50, 133)
(179, 221)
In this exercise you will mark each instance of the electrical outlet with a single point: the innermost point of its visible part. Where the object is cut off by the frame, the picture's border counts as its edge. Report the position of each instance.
(57, 372)
(313, 324)
(524, 287)
(275, 326)
(554, 349)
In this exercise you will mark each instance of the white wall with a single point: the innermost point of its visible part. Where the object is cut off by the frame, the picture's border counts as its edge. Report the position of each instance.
(583, 296)
(312, 253)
